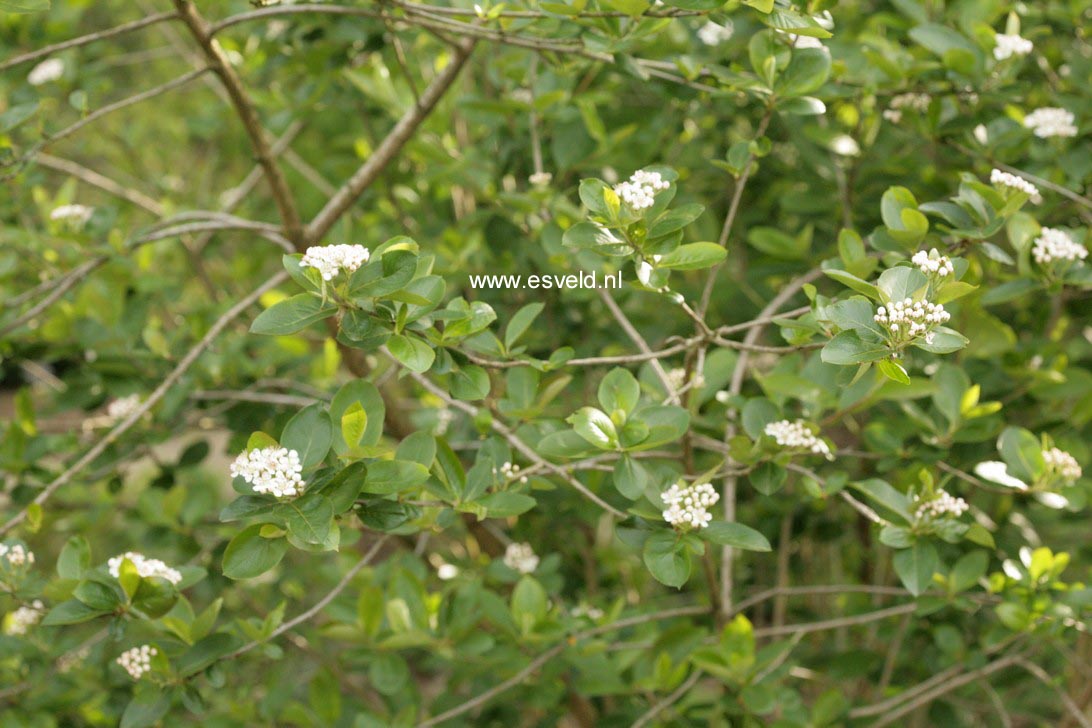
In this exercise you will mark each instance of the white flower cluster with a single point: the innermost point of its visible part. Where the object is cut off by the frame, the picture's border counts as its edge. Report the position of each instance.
(22, 619)
(712, 34)
(48, 70)
(1063, 464)
(941, 505)
(639, 191)
(909, 319)
(911, 101)
(509, 472)
(138, 660)
(122, 407)
(939, 265)
(329, 260)
(688, 506)
(1051, 121)
(520, 557)
(584, 610)
(1011, 45)
(677, 379)
(540, 179)
(1053, 244)
(797, 436)
(1004, 179)
(75, 215)
(16, 555)
(273, 470)
(145, 567)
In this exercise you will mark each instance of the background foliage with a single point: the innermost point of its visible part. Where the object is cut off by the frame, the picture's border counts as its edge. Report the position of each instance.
(453, 142)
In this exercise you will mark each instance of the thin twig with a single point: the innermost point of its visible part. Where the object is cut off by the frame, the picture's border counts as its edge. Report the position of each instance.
(85, 39)
(171, 379)
(676, 695)
(636, 338)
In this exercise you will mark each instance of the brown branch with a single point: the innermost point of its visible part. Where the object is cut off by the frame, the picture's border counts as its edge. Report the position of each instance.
(248, 115)
(670, 700)
(389, 147)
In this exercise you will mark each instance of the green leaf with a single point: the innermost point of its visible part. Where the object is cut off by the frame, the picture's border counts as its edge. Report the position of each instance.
(916, 565)
(762, 6)
(506, 504)
(665, 424)
(146, 708)
(469, 382)
(310, 433)
(852, 281)
(848, 348)
(74, 559)
(882, 493)
(901, 282)
(247, 506)
(1022, 452)
(98, 595)
(777, 243)
(309, 518)
(619, 391)
(529, 603)
(249, 554)
(369, 398)
(806, 72)
(893, 371)
(292, 315)
(630, 477)
(967, 571)
(736, 535)
(411, 352)
(667, 558)
(595, 427)
(521, 321)
(353, 424)
(693, 256)
(207, 651)
(768, 478)
(17, 114)
(387, 477)
(24, 6)
(71, 612)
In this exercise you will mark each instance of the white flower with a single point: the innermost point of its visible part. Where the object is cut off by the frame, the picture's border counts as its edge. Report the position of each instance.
(273, 470)
(510, 472)
(677, 379)
(912, 101)
(688, 506)
(22, 619)
(1004, 179)
(447, 572)
(145, 567)
(121, 408)
(932, 263)
(796, 435)
(16, 554)
(1053, 244)
(892, 115)
(1010, 45)
(712, 34)
(540, 179)
(584, 610)
(908, 319)
(845, 145)
(520, 557)
(997, 472)
(941, 505)
(138, 660)
(981, 134)
(329, 260)
(444, 418)
(1050, 122)
(48, 70)
(75, 215)
(639, 191)
(1062, 464)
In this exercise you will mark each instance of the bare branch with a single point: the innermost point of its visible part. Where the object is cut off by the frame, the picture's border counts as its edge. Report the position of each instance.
(101, 181)
(636, 338)
(676, 695)
(247, 114)
(389, 147)
(85, 39)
